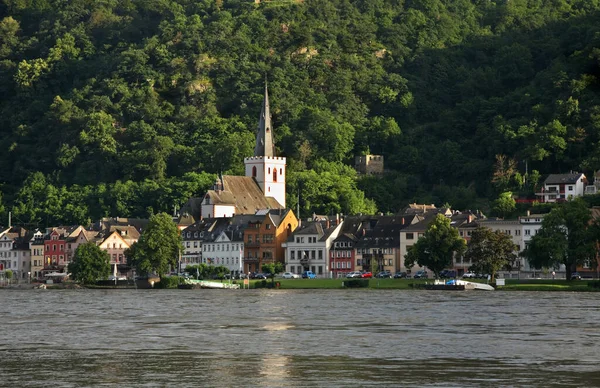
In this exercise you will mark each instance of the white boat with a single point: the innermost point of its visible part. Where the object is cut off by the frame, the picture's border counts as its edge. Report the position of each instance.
(471, 285)
(207, 284)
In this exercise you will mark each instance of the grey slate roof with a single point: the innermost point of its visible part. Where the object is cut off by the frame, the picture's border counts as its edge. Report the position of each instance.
(563, 179)
(264, 134)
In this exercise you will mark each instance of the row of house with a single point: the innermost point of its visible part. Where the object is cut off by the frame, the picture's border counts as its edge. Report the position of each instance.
(332, 246)
(45, 253)
(329, 246)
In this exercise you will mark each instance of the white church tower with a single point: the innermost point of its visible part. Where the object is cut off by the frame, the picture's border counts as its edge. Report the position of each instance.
(264, 166)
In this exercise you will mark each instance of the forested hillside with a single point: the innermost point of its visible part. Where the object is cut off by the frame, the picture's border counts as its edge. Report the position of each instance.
(127, 108)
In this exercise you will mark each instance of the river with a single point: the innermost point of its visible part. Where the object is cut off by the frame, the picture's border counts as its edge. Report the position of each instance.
(299, 338)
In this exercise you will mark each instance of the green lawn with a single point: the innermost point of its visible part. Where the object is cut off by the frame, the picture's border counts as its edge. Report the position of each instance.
(400, 284)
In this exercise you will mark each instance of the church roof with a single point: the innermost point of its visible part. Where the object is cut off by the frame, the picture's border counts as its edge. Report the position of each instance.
(243, 193)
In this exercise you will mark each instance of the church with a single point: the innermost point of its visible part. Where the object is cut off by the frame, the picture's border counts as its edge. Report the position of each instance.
(262, 187)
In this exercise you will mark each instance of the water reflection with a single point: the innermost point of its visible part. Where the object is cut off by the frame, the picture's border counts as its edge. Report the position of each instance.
(297, 338)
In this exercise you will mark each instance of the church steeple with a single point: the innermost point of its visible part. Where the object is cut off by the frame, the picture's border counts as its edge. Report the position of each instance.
(264, 136)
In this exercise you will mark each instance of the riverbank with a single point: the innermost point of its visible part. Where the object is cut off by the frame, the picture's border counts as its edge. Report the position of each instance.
(383, 284)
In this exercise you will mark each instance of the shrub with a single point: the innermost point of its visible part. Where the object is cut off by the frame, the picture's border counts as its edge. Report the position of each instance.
(356, 283)
(168, 282)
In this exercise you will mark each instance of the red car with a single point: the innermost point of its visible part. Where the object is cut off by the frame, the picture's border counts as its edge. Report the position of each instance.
(366, 275)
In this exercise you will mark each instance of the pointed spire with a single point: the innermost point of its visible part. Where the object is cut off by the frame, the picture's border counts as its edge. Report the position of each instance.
(264, 136)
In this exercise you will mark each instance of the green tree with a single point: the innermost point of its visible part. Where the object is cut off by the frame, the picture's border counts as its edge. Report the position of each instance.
(271, 269)
(8, 274)
(90, 264)
(505, 204)
(437, 247)
(158, 248)
(566, 237)
(490, 251)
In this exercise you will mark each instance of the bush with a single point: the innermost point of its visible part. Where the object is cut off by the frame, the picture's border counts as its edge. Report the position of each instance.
(356, 283)
(594, 284)
(168, 282)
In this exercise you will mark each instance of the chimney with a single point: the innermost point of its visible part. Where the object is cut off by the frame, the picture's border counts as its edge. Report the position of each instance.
(470, 218)
(327, 224)
(363, 232)
(402, 220)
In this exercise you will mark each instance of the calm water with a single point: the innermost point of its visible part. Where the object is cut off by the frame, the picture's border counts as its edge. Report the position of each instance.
(191, 338)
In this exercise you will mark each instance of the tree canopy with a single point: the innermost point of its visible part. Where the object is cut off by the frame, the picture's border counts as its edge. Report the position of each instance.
(490, 251)
(567, 237)
(129, 108)
(272, 269)
(158, 248)
(90, 264)
(437, 247)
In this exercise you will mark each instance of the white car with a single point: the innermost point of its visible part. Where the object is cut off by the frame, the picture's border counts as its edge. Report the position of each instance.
(354, 274)
(469, 275)
(289, 275)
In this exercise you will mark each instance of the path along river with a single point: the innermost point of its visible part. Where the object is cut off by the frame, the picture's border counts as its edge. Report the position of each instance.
(299, 338)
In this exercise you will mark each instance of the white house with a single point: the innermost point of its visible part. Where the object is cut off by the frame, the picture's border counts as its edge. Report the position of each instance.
(308, 247)
(562, 187)
(227, 250)
(15, 254)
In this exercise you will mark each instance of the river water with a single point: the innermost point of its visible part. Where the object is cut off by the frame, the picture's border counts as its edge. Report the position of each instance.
(299, 338)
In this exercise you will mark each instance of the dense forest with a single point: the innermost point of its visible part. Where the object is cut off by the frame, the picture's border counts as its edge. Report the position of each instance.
(130, 107)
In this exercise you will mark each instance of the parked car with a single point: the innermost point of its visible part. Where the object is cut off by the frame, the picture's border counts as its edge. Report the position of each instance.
(469, 275)
(384, 274)
(289, 275)
(400, 275)
(308, 275)
(260, 276)
(421, 275)
(366, 274)
(575, 276)
(354, 274)
(447, 274)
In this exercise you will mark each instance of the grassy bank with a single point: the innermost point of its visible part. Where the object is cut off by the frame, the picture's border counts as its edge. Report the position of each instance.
(399, 284)
(409, 284)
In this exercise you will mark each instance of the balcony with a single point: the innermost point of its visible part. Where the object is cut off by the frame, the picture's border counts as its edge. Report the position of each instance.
(250, 259)
(255, 244)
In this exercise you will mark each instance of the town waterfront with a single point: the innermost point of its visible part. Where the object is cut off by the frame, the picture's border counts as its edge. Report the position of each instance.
(325, 338)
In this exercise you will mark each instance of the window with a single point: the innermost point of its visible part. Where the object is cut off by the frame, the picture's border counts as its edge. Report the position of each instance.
(274, 175)
(293, 255)
(410, 236)
(320, 255)
(268, 226)
(254, 172)
(527, 232)
(570, 188)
